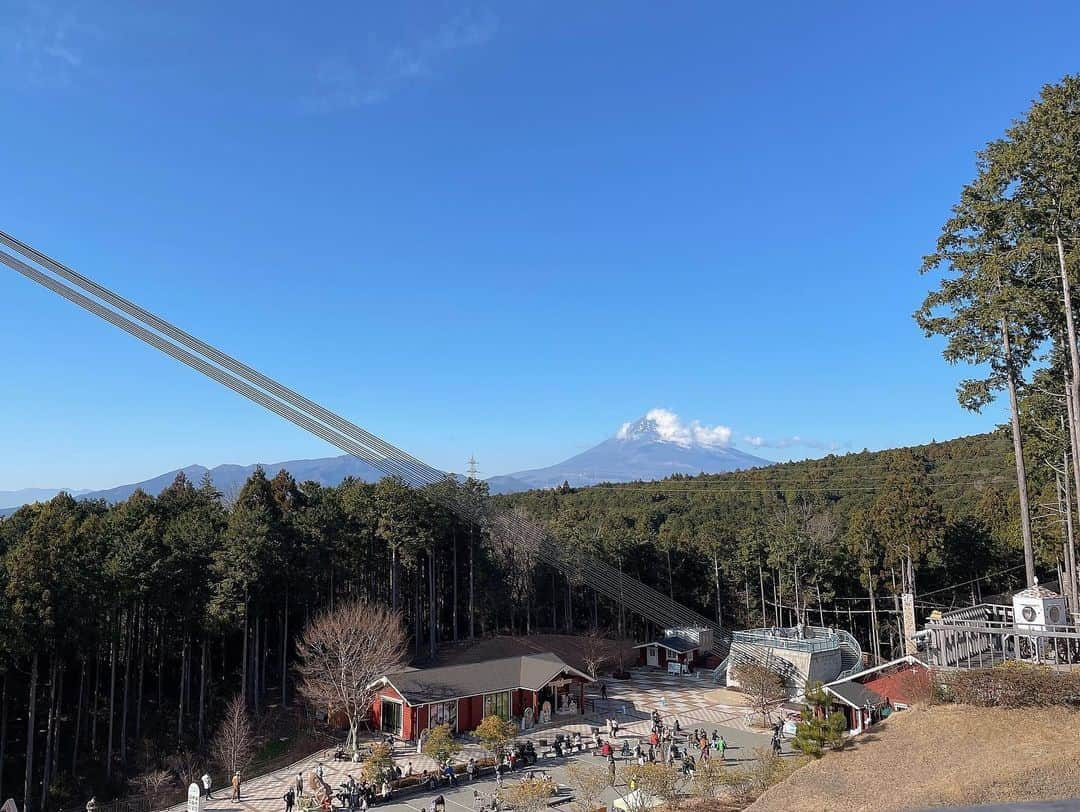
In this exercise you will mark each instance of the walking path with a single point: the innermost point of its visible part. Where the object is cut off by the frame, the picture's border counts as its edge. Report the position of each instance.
(694, 702)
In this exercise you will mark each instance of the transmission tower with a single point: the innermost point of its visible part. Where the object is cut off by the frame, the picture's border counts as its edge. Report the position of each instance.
(472, 466)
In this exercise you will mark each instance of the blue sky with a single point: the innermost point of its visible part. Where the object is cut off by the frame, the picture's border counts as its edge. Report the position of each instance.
(500, 229)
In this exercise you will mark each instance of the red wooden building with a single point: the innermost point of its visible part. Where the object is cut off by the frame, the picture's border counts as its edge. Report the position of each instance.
(412, 701)
(682, 646)
(872, 694)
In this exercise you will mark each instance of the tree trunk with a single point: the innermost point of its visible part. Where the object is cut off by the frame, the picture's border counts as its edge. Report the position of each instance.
(716, 581)
(395, 577)
(78, 720)
(182, 694)
(244, 664)
(1018, 453)
(257, 659)
(417, 637)
(1074, 439)
(3, 729)
(875, 641)
(454, 611)
(1073, 389)
(203, 659)
(1070, 555)
(128, 637)
(141, 648)
(285, 650)
(472, 592)
(94, 709)
(761, 584)
(31, 731)
(161, 665)
(554, 612)
(114, 630)
(670, 578)
(50, 731)
(433, 620)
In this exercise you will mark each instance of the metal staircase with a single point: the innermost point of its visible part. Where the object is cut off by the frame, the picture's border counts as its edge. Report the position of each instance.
(851, 654)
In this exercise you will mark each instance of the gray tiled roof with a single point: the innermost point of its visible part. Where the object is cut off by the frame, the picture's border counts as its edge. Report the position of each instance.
(674, 643)
(856, 694)
(531, 672)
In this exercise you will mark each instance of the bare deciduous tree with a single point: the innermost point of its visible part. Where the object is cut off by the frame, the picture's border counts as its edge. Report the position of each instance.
(186, 765)
(153, 784)
(596, 651)
(233, 745)
(343, 652)
(764, 687)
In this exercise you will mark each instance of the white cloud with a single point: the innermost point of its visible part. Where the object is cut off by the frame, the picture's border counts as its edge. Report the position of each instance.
(345, 82)
(669, 428)
(43, 46)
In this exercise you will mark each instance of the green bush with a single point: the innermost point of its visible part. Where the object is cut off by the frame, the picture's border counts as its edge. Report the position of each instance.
(821, 727)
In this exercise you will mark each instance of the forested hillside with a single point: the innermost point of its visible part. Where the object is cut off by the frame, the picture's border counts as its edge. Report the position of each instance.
(126, 627)
(820, 534)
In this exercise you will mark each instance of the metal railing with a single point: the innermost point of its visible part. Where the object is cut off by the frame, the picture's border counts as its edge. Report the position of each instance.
(815, 638)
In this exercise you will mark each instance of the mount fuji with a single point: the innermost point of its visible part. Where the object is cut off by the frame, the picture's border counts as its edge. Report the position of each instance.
(652, 447)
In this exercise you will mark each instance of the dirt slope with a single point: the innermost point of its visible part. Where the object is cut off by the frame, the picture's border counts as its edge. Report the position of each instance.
(948, 755)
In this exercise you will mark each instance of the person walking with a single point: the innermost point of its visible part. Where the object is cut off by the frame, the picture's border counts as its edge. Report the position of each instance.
(603, 691)
(300, 785)
(236, 786)
(721, 747)
(207, 783)
(289, 798)
(611, 767)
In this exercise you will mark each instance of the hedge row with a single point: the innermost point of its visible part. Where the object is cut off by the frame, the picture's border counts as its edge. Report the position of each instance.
(1012, 685)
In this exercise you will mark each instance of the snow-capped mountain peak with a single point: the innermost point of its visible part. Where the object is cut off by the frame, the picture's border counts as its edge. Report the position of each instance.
(664, 426)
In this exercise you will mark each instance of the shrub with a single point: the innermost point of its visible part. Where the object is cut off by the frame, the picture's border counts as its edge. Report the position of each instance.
(654, 781)
(590, 782)
(495, 733)
(1010, 685)
(440, 744)
(528, 796)
(377, 763)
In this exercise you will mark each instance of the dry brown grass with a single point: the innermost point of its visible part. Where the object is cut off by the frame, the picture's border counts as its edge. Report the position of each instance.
(942, 755)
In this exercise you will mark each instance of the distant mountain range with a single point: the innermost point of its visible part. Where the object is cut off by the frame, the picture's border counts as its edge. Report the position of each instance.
(227, 478)
(26, 495)
(653, 447)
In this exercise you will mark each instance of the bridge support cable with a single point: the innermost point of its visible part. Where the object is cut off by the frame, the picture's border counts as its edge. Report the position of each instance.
(343, 434)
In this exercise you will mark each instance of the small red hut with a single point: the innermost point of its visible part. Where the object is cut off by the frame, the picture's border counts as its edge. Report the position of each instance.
(527, 687)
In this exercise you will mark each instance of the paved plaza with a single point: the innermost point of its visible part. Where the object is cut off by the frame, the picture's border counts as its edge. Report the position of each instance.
(695, 702)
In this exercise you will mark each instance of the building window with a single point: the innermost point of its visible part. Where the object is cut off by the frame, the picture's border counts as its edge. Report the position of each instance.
(497, 705)
(443, 713)
(391, 717)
